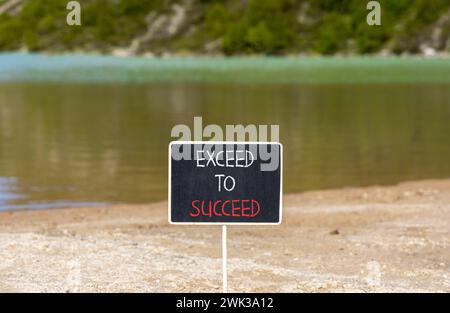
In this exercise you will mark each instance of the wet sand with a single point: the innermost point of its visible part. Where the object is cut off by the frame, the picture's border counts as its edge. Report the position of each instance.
(394, 239)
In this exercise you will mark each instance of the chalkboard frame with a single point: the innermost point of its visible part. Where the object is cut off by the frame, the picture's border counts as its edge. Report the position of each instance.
(169, 206)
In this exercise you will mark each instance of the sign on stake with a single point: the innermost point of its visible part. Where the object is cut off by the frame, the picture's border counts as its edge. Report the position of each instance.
(225, 183)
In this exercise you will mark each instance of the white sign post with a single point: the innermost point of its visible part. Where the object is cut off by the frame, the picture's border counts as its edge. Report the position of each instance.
(225, 183)
(224, 259)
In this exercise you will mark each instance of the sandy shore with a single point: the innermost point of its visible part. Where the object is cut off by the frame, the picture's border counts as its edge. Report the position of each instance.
(359, 239)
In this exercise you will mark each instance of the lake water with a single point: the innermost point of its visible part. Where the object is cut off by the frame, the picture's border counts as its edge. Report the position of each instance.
(69, 143)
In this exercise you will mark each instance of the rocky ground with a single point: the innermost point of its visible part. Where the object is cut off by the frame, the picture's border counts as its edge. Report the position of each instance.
(376, 239)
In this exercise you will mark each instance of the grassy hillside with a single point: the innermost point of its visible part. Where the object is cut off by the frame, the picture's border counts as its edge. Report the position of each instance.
(228, 26)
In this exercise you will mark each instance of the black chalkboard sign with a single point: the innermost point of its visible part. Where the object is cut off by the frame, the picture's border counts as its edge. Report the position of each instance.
(225, 182)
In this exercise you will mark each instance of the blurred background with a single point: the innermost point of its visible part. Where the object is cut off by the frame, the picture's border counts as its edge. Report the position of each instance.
(86, 111)
(226, 26)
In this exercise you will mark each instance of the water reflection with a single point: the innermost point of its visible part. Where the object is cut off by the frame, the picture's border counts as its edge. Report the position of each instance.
(71, 144)
(7, 193)
(10, 199)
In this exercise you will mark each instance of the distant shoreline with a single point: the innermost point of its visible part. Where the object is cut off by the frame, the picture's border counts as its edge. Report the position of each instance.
(18, 67)
(168, 55)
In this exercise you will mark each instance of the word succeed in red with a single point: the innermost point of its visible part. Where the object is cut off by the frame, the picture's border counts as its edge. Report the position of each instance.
(228, 208)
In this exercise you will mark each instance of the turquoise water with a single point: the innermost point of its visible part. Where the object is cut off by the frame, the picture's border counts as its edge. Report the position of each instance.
(311, 70)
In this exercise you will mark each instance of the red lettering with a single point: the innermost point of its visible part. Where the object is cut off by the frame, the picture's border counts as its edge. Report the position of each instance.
(255, 208)
(245, 208)
(215, 206)
(206, 213)
(234, 208)
(223, 208)
(196, 208)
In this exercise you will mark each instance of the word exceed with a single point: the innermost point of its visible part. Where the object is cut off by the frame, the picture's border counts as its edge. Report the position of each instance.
(228, 158)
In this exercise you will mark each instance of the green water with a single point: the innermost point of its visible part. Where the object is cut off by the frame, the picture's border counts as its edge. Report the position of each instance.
(71, 143)
(237, 70)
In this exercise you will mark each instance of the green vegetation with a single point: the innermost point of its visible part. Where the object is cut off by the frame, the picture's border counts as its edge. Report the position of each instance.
(264, 27)
(41, 25)
(240, 27)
